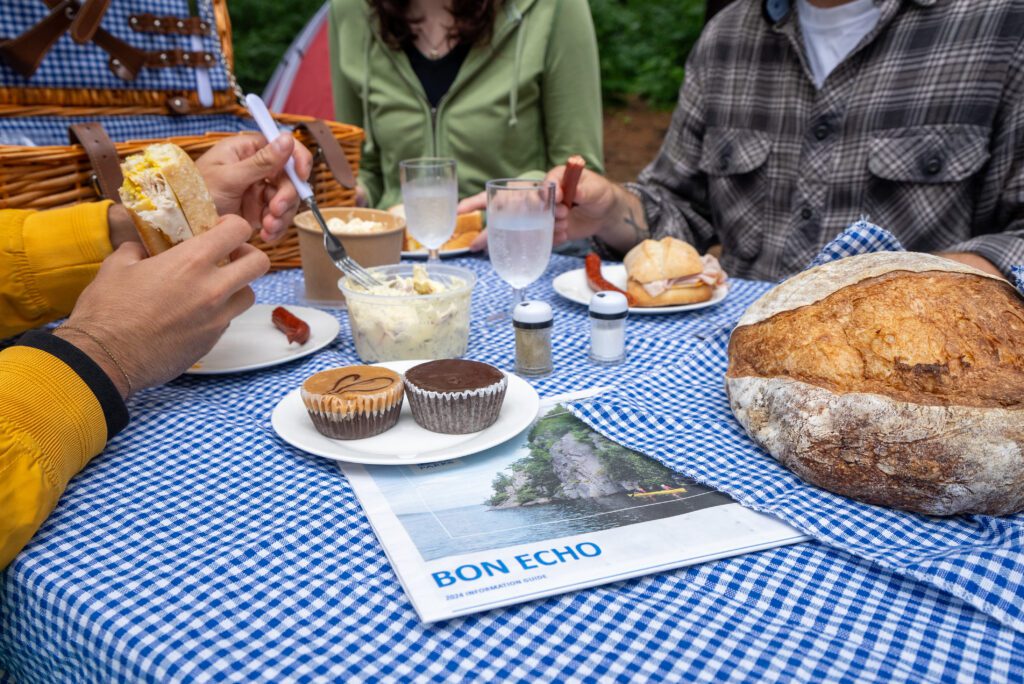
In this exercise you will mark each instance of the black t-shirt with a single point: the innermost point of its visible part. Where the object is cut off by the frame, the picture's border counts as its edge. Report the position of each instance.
(436, 75)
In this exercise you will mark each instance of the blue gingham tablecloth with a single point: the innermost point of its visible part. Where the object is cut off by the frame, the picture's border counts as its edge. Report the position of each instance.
(199, 547)
(680, 415)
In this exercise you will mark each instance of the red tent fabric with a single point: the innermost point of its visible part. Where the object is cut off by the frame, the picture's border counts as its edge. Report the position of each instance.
(301, 84)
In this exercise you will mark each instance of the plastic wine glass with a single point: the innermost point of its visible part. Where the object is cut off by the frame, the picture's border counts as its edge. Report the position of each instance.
(431, 197)
(520, 225)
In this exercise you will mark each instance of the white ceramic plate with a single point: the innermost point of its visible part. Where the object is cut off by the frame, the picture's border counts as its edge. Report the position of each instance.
(573, 286)
(252, 341)
(406, 443)
(422, 253)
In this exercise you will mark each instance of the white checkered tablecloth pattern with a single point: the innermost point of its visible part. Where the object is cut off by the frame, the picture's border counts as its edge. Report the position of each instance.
(199, 547)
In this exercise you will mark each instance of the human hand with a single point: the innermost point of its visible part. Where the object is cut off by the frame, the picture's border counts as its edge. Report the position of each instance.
(595, 200)
(120, 226)
(477, 202)
(156, 316)
(246, 176)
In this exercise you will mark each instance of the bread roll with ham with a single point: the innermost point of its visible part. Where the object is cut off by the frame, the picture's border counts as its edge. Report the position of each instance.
(670, 272)
(893, 378)
(166, 197)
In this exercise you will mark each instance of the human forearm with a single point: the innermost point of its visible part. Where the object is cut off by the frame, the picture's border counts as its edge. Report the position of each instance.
(976, 260)
(625, 224)
(994, 253)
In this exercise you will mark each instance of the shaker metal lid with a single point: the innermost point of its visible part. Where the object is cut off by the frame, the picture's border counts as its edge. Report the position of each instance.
(532, 314)
(608, 305)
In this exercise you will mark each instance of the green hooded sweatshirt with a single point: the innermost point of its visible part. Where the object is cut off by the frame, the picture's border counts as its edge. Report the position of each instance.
(520, 104)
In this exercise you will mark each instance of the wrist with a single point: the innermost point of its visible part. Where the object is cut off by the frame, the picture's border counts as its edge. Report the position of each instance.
(626, 222)
(98, 352)
(120, 226)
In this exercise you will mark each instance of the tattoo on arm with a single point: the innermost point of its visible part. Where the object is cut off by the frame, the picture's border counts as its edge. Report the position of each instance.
(632, 223)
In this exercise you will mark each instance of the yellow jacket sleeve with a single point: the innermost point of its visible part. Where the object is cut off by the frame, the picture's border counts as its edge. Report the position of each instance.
(46, 260)
(51, 425)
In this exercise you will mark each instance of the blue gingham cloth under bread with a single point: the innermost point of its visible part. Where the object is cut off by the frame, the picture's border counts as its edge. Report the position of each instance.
(680, 415)
(199, 547)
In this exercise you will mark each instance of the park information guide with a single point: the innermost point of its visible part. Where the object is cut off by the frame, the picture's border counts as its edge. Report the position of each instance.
(556, 509)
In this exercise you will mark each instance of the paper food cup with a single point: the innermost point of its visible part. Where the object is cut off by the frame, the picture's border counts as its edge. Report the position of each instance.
(368, 249)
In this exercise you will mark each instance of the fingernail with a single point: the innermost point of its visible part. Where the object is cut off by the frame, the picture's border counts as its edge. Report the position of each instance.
(281, 143)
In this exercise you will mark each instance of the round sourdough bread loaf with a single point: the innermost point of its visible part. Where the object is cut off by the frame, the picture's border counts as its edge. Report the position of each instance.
(894, 378)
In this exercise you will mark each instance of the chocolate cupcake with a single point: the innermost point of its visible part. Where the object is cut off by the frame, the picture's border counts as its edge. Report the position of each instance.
(353, 402)
(455, 396)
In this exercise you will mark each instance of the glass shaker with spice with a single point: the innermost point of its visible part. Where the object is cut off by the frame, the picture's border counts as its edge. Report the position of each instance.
(532, 321)
(608, 311)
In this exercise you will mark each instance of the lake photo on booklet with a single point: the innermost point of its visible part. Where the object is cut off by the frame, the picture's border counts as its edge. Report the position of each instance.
(557, 508)
(560, 478)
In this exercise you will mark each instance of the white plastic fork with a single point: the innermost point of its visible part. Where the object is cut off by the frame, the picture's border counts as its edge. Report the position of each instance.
(332, 244)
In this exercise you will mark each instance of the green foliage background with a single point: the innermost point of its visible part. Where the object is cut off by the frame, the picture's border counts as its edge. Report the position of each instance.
(643, 43)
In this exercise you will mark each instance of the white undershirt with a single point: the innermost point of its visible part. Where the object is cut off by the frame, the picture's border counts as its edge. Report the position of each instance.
(831, 34)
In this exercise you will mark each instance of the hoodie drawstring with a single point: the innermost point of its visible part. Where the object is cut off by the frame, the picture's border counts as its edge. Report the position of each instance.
(368, 145)
(513, 94)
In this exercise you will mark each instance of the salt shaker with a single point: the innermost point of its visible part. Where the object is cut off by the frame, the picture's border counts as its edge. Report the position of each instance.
(532, 321)
(608, 311)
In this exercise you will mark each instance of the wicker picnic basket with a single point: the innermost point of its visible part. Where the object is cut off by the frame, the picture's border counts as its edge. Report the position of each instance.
(53, 175)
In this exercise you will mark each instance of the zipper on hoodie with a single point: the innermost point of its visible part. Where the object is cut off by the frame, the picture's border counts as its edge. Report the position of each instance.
(433, 130)
(435, 111)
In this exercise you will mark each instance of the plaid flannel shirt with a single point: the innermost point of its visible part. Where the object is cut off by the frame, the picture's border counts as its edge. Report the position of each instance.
(920, 129)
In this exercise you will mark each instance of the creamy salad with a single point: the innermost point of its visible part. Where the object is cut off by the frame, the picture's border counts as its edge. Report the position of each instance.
(410, 318)
(354, 225)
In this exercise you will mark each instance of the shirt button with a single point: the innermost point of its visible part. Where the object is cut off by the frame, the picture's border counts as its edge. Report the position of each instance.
(806, 213)
(933, 166)
(821, 131)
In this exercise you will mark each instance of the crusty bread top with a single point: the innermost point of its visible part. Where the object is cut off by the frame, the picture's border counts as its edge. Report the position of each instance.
(818, 283)
(188, 185)
(662, 259)
(932, 338)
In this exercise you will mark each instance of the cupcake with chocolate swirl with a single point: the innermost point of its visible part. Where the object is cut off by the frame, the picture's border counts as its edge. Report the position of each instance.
(353, 402)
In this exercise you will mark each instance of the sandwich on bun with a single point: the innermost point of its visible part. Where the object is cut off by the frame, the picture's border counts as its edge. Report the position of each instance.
(166, 197)
(669, 272)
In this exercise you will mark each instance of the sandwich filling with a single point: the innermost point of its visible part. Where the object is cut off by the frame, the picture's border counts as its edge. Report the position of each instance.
(712, 275)
(149, 196)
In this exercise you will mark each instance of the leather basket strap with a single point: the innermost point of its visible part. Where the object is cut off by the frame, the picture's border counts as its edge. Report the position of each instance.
(24, 53)
(88, 19)
(334, 156)
(102, 155)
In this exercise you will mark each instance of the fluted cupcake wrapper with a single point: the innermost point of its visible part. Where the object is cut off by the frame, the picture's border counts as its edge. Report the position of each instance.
(351, 425)
(456, 413)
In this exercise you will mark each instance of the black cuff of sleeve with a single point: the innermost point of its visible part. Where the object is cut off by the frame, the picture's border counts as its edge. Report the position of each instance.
(114, 410)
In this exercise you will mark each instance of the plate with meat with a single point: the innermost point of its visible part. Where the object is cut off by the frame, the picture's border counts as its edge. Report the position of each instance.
(267, 335)
(657, 276)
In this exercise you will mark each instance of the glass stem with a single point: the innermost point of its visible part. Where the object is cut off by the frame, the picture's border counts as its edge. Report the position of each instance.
(517, 296)
(433, 255)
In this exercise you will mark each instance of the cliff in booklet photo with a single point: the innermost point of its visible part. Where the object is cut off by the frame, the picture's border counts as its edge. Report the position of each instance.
(569, 461)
